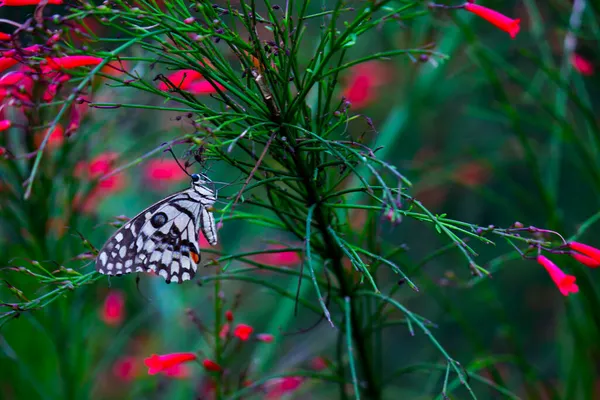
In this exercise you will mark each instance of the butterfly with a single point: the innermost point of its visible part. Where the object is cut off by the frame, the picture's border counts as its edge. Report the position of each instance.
(164, 237)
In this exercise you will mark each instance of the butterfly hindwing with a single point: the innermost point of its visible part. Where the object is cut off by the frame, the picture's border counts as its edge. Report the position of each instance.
(163, 238)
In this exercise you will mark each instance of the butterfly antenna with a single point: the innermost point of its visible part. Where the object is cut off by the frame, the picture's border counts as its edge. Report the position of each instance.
(178, 163)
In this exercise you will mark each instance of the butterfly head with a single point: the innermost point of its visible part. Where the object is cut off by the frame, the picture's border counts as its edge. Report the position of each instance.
(199, 179)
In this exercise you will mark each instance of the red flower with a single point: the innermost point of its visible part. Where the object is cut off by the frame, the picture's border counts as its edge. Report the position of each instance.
(157, 363)
(5, 36)
(210, 365)
(70, 62)
(265, 337)
(8, 3)
(278, 259)
(589, 256)
(125, 368)
(98, 167)
(494, 17)
(362, 87)
(229, 315)
(319, 363)
(243, 332)
(180, 79)
(278, 387)
(565, 283)
(160, 171)
(5, 124)
(191, 81)
(55, 140)
(113, 310)
(18, 84)
(582, 65)
(7, 62)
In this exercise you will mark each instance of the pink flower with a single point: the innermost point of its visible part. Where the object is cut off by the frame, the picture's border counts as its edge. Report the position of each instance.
(265, 337)
(5, 124)
(15, 3)
(565, 283)
(157, 363)
(582, 65)
(191, 81)
(278, 259)
(158, 172)
(224, 332)
(495, 18)
(71, 62)
(589, 256)
(210, 365)
(364, 82)
(125, 368)
(113, 310)
(243, 332)
(278, 387)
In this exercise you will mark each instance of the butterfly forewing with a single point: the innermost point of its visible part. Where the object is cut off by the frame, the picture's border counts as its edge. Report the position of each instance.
(163, 238)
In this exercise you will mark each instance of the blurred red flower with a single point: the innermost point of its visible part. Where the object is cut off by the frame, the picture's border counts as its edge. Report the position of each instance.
(56, 138)
(16, 83)
(565, 283)
(265, 337)
(363, 83)
(243, 332)
(157, 363)
(319, 364)
(14, 3)
(159, 171)
(210, 365)
(113, 309)
(229, 315)
(126, 368)
(191, 81)
(590, 256)
(582, 65)
(5, 36)
(224, 331)
(7, 62)
(5, 124)
(98, 167)
(279, 259)
(472, 174)
(495, 18)
(278, 387)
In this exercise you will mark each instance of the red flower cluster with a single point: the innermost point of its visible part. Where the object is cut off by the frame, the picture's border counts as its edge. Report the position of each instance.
(191, 81)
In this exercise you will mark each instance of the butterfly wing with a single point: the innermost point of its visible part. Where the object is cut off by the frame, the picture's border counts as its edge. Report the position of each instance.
(163, 238)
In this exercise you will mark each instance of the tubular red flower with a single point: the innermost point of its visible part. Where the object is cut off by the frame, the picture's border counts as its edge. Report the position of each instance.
(565, 283)
(363, 83)
(494, 17)
(156, 363)
(70, 62)
(585, 249)
(229, 315)
(5, 36)
(7, 62)
(224, 332)
(5, 124)
(113, 310)
(243, 332)
(278, 387)
(125, 368)
(585, 260)
(180, 79)
(16, 3)
(210, 365)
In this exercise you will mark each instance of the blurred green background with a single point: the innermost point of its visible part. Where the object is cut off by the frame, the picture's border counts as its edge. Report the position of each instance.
(502, 131)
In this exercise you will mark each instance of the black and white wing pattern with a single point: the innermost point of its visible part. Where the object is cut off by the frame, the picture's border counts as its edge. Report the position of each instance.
(164, 237)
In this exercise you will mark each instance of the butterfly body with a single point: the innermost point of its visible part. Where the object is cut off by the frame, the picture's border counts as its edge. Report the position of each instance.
(164, 237)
